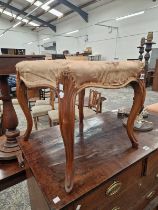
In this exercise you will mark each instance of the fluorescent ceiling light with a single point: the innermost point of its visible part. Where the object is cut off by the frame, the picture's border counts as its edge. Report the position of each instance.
(19, 18)
(16, 24)
(8, 13)
(56, 12)
(72, 32)
(132, 15)
(25, 20)
(29, 42)
(49, 2)
(38, 3)
(46, 7)
(33, 24)
(30, 1)
(46, 39)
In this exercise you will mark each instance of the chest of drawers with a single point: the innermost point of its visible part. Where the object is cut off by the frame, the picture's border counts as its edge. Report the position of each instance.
(110, 175)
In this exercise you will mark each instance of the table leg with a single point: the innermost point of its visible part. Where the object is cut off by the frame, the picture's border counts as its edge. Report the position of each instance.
(81, 113)
(9, 148)
(67, 122)
(138, 101)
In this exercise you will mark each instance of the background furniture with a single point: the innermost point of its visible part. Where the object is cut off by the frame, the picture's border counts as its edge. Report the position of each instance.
(9, 148)
(94, 105)
(39, 111)
(112, 170)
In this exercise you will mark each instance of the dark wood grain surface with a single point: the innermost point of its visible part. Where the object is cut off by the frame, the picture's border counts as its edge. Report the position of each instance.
(8, 62)
(102, 152)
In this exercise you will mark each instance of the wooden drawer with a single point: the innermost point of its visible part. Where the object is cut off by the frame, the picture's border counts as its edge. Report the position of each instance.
(110, 194)
(152, 163)
(146, 202)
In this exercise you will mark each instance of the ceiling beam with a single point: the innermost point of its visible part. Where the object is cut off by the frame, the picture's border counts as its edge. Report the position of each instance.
(71, 11)
(42, 13)
(30, 16)
(83, 14)
(24, 9)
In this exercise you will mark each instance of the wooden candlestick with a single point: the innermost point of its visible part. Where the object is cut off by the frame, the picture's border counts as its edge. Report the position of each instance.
(149, 42)
(141, 48)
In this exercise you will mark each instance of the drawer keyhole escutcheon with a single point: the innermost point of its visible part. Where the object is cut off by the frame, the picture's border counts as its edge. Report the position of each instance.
(114, 188)
(150, 195)
(116, 208)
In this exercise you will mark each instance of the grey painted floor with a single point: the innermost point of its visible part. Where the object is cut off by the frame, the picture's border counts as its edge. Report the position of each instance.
(16, 197)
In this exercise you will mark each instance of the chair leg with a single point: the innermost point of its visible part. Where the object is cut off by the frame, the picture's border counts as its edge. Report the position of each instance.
(35, 122)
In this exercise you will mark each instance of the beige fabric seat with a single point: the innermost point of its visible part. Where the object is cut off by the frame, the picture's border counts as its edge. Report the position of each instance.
(42, 102)
(39, 111)
(87, 112)
(45, 102)
(53, 117)
(110, 74)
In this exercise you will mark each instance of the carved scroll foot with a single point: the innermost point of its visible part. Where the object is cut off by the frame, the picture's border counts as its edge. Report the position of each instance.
(23, 101)
(139, 97)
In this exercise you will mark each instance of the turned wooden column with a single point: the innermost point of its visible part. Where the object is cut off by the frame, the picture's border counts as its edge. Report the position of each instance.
(141, 48)
(149, 42)
(9, 148)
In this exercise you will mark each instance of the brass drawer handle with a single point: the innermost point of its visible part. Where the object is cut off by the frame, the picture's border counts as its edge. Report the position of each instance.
(114, 188)
(150, 195)
(116, 208)
(156, 176)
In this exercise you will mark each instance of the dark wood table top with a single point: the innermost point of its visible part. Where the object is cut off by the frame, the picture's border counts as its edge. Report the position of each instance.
(8, 62)
(101, 153)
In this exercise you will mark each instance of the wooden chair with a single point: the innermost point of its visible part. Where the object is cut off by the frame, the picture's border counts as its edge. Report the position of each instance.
(42, 107)
(94, 106)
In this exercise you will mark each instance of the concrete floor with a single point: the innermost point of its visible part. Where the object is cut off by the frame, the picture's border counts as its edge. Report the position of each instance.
(16, 197)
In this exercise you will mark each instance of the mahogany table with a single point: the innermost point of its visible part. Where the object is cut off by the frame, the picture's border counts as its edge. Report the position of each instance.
(109, 173)
(9, 148)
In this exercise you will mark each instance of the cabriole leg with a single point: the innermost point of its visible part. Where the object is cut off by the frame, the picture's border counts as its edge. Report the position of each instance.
(67, 121)
(138, 101)
(23, 101)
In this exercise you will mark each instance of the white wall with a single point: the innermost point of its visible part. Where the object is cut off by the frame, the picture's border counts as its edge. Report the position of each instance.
(100, 39)
(18, 38)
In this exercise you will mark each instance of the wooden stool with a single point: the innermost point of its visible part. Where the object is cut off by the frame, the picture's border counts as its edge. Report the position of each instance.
(71, 78)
